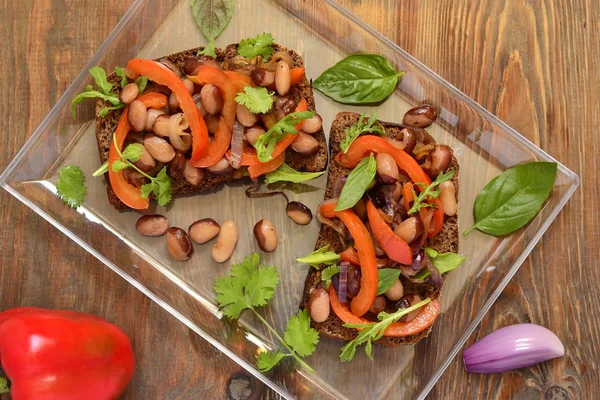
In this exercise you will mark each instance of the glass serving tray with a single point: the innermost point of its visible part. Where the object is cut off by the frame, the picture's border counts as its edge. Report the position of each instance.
(323, 33)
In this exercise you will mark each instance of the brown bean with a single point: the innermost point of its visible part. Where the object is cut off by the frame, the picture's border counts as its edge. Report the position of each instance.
(448, 198)
(134, 177)
(204, 230)
(387, 169)
(226, 242)
(285, 106)
(199, 106)
(137, 115)
(283, 78)
(152, 225)
(438, 160)
(161, 125)
(222, 167)
(146, 161)
(211, 97)
(135, 137)
(409, 139)
(421, 116)
(193, 175)
(253, 133)
(189, 85)
(396, 291)
(312, 125)
(266, 235)
(305, 144)
(130, 74)
(353, 280)
(378, 305)
(409, 229)
(244, 115)
(212, 123)
(151, 117)
(130, 93)
(407, 301)
(191, 66)
(179, 244)
(299, 213)
(176, 166)
(318, 305)
(173, 102)
(262, 77)
(159, 148)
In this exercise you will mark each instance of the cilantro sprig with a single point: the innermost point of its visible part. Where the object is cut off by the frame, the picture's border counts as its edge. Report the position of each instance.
(265, 145)
(257, 46)
(250, 286)
(320, 256)
(362, 126)
(374, 331)
(103, 91)
(429, 192)
(256, 99)
(70, 185)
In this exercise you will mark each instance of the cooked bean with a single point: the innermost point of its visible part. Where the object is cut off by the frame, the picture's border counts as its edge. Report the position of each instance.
(212, 123)
(189, 85)
(199, 106)
(193, 175)
(280, 101)
(387, 169)
(305, 144)
(447, 198)
(299, 213)
(283, 78)
(137, 115)
(176, 166)
(240, 173)
(407, 301)
(262, 77)
(173, 102)
(285, 106)
(269, 120)
(409, 229)
(192, 65)
(152, 225)
(221, 167)
(135, 137)
(146, 161)
(266, 235)
(396, 291)
(204, 230)
(179, 244)
(438, 160)
(318, 305)
(360, 209)
(353, 284)
(312, 125)
(133, 177)
(378, 305)
(409, 139)
(253, 133)
(159, 148)
(151, 117)
(244, 115)
(130, 93)
(226, 242)
(421, 116)
(130, 74)
(169, 64)
(161, 125)
(211, 97)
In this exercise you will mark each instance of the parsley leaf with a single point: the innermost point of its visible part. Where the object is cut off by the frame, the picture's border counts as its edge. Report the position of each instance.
(328, 273)
(300, 336)
(70, 185)
(265, 145)
(352, 133)
(429, 192)
(256, 99)
(208, 50)
(99, 76)
(320, 256)
(266, 360)
(121, 74)
(258, 46)
(288, 174)
(358, 181)
(142, 82)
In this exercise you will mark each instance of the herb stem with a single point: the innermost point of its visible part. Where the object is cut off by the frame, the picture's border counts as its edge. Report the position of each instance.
(129, 162)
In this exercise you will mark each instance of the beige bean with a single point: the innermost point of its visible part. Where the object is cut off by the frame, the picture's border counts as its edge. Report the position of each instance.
(152, 225)
(448, 198)
(189, 85)
(159, 148)
(212, 123)
(204, 230)
(312, 125)
(318, 305)
(299, 213)
(396, 291)
(226, 242)
(193, 175)
(161, 125)
(199, 106)
(173, 102)
(387, 169)
(179, 244)
(130, 93)
(211, 97)
(305, 144)
(253, 133)
(151, 117)
(409, 229)
(266, 235)
(221, 167)
(137, 115)
(176, 166)
(283, 78)
(244, 115)
(146, 161)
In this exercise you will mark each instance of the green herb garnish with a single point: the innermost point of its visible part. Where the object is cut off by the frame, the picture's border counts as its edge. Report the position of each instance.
(362, 126)
(208, 50)
(444, 262)
(288, 174)
(104, 92)
(265, 145)
(70, 185)
(256, 99)
(320, 256)
(429, 192)
(387, 278)
(358, 181)
(328, 273)
(258, 46)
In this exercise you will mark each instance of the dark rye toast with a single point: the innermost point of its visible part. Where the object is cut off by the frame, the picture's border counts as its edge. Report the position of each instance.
(445, 241)
(106, 126)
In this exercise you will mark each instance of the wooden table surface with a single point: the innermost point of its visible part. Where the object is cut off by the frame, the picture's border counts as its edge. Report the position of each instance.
(533, 63)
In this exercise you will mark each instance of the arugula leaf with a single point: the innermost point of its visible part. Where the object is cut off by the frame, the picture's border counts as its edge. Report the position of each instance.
(4, 385)
(357, 183)
(265, 145)
(266, 360)
(256, 99)
(429, 192)
(374, 331)
(387, 278)
(90, 93)
(359, 128)
(104, 111)
(444, 262)
(258, 46)
(102, 170)
(212, 16)
(99, 76)
(300, 336)
(208, 50)
(320, 256)
(142, 82)
(328, 273)
(121, 74)
(70, 185)
(288, 174)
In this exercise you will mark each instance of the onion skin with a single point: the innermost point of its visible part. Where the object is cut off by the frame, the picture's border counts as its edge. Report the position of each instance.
(512, 347)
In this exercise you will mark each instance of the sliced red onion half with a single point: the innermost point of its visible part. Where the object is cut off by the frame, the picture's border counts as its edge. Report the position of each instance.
(512, 347)
(237, 145)
(343, 288)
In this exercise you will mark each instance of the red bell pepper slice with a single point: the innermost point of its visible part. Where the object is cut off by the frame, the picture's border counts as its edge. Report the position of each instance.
(240, 81)
(257, 170)
(327, 210)
(407, 194)
(361, 303)
(222, 138)
(398, 329)
(350, 255)
(161, 75)
(53, 354)
(395, 248)
(249, 156)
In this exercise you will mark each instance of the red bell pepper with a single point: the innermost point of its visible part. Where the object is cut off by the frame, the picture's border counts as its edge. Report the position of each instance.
(240, 81)
(161, 75)
(350, 255)
(395, 248)
(260, 169)
(425, 318)
(52, 355)
(408, 195)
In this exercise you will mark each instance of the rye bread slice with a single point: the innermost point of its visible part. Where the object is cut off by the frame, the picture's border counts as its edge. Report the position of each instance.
(106, 126)
(445, 241)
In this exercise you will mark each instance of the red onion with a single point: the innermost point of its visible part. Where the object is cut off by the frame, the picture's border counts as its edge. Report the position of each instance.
(512, 347)
(337, 186)
(181, 140)
(434, 274)
(418, 259)
(237, 145)
(343, 288)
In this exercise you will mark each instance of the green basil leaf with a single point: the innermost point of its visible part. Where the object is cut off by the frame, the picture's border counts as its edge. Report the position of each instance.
(288, 174)
(387, 278)
(513, 198)
(359, 79)
(212, 16)
(358, 181)
(444, 262)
